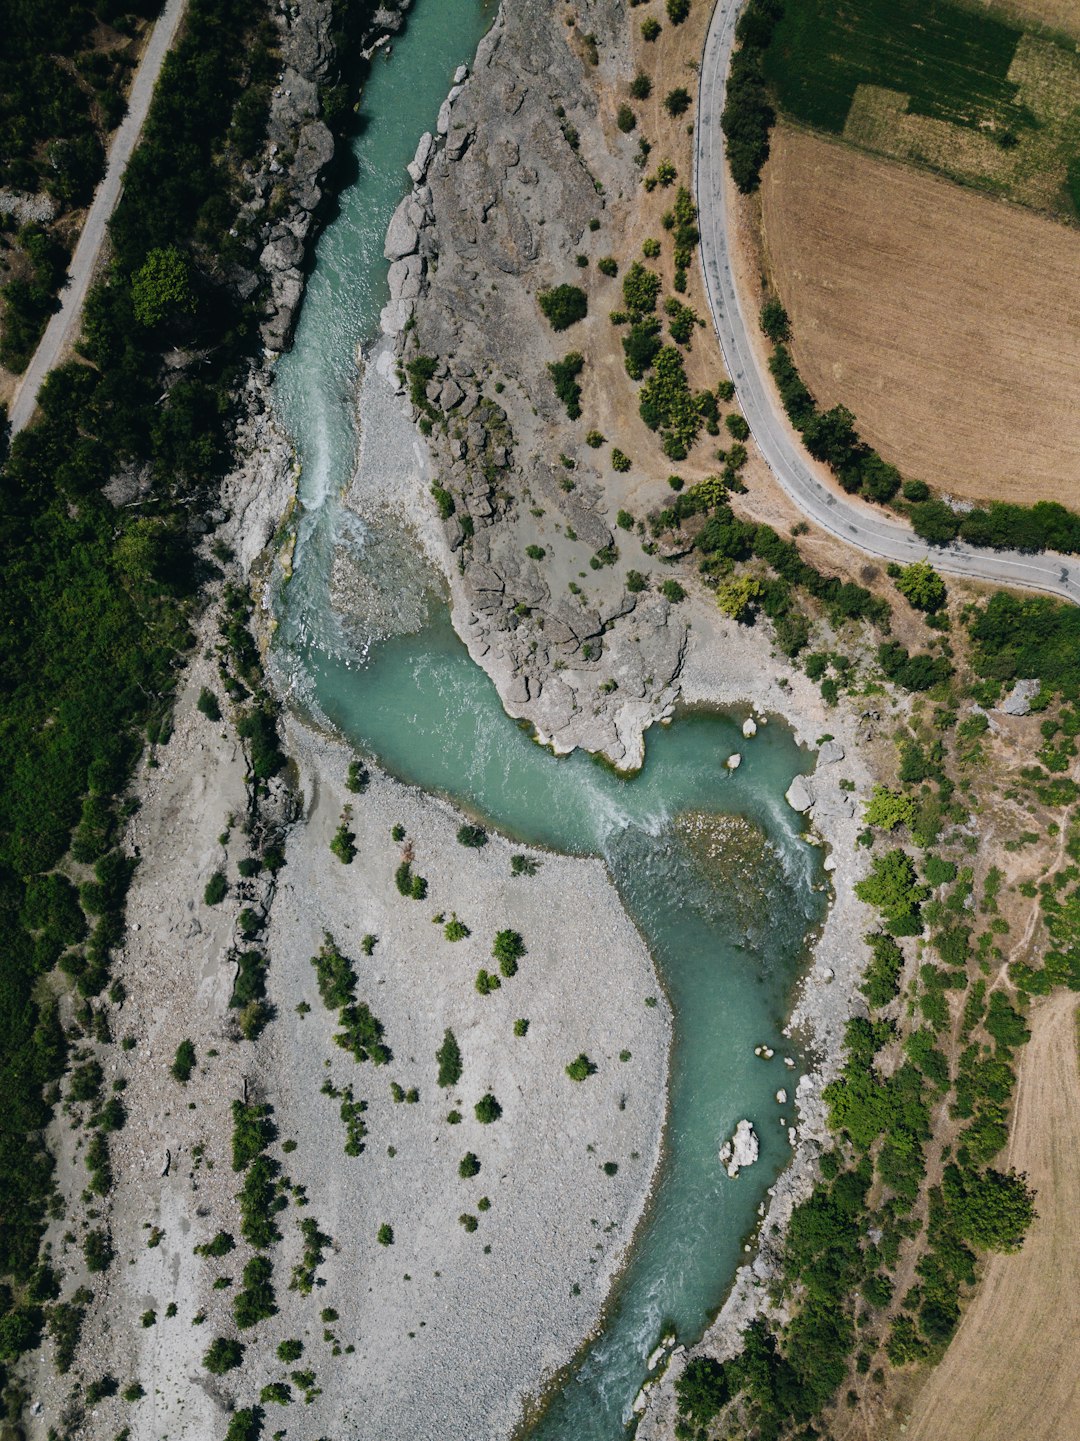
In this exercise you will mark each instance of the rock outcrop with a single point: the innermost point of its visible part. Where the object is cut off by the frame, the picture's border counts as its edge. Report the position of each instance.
(742, 1150)
(502, 197)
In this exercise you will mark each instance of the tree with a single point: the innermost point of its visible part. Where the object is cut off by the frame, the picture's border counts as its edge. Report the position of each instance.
(449, 1058)
(774, 321)
(564, 305)
(702, 1390)
(738, 596)
(889, 809)
(893, 886)
(921, 586)
(934, 521)
(161, 288)
(992, 1209)
(677, 101)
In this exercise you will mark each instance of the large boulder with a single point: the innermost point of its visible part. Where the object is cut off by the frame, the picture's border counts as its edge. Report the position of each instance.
(742, 1150)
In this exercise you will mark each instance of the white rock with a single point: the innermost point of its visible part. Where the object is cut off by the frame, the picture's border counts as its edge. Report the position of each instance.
(401, 235)
(789, 1062)
(792, 1135)
(749, 727)
(417, 166)
(742, 1150)
(781, 1096)
(733, 762)
(827, 973)
(461, 74)
(829, 753)
(799, 795)
(828, 864)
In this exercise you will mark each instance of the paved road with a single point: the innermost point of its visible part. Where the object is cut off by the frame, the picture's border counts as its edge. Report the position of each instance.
(857, 523)
(63, 327)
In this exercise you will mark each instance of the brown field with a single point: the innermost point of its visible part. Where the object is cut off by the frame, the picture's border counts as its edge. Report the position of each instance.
(949, 323)
(1010, 1373)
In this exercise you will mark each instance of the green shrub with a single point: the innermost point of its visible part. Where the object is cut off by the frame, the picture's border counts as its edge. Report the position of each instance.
(581, 1068)
(255, 1302)
(223, 1355)
(524, 865)
(98, 1251)
(385, 1235)
(217, 888)
(253, 1131)
(641, 289)
(608, 266)
(472, 836)
(470, 1223)
(619, 461)
(487, 1109)
(183, 1063)
(221, 1245)
(290, 1351)
(594, 440)
(625, 119)
(521, 1027)
(650, 29)
(737, 426)
(677, 101)
(486, 982)
(277, 1392)
(357, 777)
(469, 1166)
(448, 1057)
(672, 591)
(343, 844)
(208, 704)
(508, 949)
(564, 374)
(563, 306)
(245, 1425)
(678, 10)
(641, 86)
(455, 930)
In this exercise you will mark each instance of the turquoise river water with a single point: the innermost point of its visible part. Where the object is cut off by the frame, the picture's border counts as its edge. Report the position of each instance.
(727, 945)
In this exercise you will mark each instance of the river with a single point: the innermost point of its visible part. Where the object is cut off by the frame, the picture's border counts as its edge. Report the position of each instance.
(727, 930)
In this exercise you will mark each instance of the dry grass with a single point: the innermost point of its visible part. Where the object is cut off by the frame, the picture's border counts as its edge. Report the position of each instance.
(1010, 1374)
(949, 323)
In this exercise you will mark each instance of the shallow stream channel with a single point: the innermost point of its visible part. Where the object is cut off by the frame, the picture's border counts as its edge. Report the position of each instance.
(708, 862)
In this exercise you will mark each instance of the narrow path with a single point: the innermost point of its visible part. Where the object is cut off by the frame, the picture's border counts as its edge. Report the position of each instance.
(63, 327)
(827, 506)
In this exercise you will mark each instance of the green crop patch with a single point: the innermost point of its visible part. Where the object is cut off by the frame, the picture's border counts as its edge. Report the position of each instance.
(951, 63)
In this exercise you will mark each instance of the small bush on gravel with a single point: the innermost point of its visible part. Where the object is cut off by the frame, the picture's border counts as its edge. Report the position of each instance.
(472, 836)
(344, 843)
(619, 461)
(581, 1069)
(625, 119)
(608, 266)
(469, 1222)
(641, 86)
(650, 29)
(595, 439)
(278, 1392)
(677, 101)
(678, 10)
(455, 930)
(469, 1166)
(487, 1109)
(508, 950)
(672, 591)
(357, 778)
(523, 866)
(183, 1063)
(245, 1425)
(454, 1118)
(208, 704)
(223, 1355)
(221, 1245)
(385, 1236)
(449, 1058)
(486, 982)
(521, 1027)
(290, 1351)
(217, 888)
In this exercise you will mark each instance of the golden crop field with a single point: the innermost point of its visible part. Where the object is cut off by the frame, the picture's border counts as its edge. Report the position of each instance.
(947, 322)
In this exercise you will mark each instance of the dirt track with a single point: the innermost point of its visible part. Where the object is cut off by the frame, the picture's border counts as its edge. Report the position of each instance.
(949, 323)
(1010, 1373)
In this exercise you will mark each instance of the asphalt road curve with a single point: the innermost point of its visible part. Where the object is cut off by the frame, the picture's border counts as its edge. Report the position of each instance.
(827, 506)
(63, 328)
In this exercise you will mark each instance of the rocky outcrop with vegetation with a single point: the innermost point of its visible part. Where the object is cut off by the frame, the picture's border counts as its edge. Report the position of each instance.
(506, 194)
